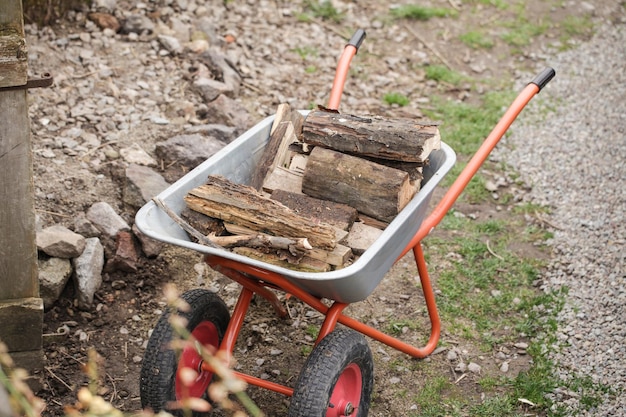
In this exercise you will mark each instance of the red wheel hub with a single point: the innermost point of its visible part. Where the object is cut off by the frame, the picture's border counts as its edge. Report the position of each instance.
(346, 396)
(207, 335)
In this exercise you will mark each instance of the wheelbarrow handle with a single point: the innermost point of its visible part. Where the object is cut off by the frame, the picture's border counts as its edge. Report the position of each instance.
(481, 155)
(357, 39)
(343, 65)
(543, 78)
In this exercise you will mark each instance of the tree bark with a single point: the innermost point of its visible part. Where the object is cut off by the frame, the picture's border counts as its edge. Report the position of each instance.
(373, 189)
(244, 206)
(398, 140)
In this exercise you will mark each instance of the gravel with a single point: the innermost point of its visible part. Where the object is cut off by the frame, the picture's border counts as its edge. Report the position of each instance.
(571, 151)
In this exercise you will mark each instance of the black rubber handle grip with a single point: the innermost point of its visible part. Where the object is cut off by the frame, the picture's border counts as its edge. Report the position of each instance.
(357, 39)
(544, 77)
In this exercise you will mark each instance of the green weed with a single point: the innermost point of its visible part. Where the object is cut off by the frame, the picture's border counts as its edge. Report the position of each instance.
(322, 10)
(522, 32)
(415, 12)
(396, 98)
(441, 73)
(476, 40)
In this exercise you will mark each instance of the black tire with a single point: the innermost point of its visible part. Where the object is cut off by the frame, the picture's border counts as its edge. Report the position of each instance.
(208, 314)
(344, 353)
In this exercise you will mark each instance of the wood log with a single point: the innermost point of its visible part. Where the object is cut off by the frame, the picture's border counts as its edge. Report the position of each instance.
(243, 205)
(261, 240)
(338, 257)
(361, 237)
(203, 223)
(373, 189)
(276, 152)
(324, 211)
(281, 178)
(398, 140)
(305, 264)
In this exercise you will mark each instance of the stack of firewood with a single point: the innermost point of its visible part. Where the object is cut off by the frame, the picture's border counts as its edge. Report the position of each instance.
(326, 186)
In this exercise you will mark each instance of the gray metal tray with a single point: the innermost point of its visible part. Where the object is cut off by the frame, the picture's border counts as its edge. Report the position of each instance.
(236, 162)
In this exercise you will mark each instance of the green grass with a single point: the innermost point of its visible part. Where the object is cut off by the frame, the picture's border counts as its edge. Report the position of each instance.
(416, 12)
(396, 98)
(476, 40)
(522, 32)
(322, 10)
(441, 73)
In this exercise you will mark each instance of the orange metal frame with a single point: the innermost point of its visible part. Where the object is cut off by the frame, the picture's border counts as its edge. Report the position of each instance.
(259, 281)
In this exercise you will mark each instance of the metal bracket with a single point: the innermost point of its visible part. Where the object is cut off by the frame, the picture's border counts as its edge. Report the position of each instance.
(45, 80)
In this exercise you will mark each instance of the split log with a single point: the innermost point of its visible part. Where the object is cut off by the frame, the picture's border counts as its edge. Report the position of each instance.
(398, 140)
(305, 264)
(338, 257)
(285, 179)
(361, 237)
(243, 205)
(373, 189)
(286, 129)
(324, 211)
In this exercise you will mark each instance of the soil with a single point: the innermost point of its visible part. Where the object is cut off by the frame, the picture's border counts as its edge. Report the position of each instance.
(391, 60)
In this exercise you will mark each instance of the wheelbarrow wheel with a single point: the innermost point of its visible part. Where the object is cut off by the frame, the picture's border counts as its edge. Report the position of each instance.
(160, 382)
(337, 378)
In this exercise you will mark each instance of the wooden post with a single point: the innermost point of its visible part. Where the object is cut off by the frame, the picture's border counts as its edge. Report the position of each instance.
(21, 308)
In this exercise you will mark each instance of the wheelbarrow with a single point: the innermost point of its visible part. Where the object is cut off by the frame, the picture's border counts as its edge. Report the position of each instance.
(337, 377)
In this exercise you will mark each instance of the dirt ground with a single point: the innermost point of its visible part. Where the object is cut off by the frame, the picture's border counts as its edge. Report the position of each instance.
(128, 304)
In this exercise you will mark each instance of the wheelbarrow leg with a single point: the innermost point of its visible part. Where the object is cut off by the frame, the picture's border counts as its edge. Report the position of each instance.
(429, 296)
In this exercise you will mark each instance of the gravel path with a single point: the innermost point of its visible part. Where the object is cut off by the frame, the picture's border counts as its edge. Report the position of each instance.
(572, 151)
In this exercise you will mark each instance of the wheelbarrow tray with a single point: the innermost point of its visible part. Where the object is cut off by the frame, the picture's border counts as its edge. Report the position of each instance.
(237, 161)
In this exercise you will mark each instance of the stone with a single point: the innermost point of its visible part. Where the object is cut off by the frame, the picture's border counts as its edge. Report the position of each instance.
(84, 227)
(53, 276)
(170, 44)
(137, 23)
(210, 89)
(142, 184)
(474, 368)
(126, 255)
(88, 272)
(225, 71)
(60, 242)
(135, 154)
(106, 219)
(224, 110)
(222, 133)
(188, 150)
(150, 247)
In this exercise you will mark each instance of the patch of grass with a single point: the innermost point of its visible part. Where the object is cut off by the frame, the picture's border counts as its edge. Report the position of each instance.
(396, 98)
(429, 399)
(501, 406)
(312, 331)
(499, 4)
(476, 40)
(322, 10)
(423, 13)
(522, 32)
(464, 126)
(310, 69)
(577, 25)
(441, 73)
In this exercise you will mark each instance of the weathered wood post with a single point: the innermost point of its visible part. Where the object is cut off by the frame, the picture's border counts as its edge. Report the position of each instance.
(21, 309)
